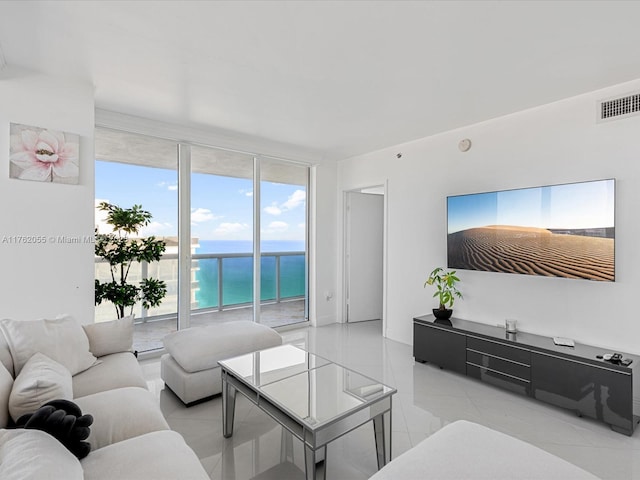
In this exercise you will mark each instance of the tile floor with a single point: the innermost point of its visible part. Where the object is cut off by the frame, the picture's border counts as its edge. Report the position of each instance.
(428, 398)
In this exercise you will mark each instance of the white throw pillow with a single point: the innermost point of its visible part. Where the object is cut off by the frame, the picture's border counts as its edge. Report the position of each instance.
(35, 454)
(6, 382)
(40, 381)
(62, 339)
(110, 337)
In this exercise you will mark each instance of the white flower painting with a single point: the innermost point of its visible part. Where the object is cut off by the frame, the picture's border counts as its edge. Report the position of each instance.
(43, 155)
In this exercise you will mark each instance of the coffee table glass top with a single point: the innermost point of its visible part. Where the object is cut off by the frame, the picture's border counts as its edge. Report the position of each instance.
(273, 364)
(325, 393)
(311, 388)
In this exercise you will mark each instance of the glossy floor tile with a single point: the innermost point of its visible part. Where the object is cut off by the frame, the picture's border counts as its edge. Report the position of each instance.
(428, 399)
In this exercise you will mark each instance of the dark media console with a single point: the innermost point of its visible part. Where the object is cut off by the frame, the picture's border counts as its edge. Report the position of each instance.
(533, 365)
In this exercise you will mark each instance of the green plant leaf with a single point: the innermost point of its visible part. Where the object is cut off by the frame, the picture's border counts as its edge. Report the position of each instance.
(120, 252)
(445, 283)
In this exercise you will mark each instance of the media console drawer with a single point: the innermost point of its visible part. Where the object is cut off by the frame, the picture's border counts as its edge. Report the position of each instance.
(499, 379)
(514, 369)
(499, 350)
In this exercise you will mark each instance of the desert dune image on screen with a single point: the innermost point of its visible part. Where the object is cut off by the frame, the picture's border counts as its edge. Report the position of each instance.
(556, 231)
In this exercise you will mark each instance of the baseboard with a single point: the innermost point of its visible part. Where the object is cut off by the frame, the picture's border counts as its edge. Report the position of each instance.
(324, 320)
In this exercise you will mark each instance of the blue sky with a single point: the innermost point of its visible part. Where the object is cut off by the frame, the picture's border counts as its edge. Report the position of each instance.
(221, 207)
(575, 205)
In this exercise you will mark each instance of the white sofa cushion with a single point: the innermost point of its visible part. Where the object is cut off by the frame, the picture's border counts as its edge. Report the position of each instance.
(5, 354)
(40, 381)
(6, 383)
(62, 339)
(110, 337)
(158, 455)
(35, 454)
(467, 450)
(121, 414)
(114, 371)
(200, 348)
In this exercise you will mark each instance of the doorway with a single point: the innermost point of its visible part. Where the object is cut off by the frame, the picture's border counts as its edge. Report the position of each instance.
(364, 254)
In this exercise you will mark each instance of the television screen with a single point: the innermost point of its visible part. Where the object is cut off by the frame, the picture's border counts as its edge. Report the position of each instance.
(556, 231)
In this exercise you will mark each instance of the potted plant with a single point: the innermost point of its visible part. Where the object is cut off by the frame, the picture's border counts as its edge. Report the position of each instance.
(121, 251)
(446, 292)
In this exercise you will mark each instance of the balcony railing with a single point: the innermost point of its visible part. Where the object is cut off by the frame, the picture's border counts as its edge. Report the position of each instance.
(219, 281)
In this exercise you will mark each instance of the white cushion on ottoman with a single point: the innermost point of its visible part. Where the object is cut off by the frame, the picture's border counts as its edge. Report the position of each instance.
(465, 450)
(189, 387)
(200, 348)
(191, 370)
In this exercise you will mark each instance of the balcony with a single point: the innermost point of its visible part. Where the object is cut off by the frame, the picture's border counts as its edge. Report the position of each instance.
(221, 291)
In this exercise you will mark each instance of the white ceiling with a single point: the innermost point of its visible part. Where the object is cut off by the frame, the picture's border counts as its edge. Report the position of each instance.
(334, 78)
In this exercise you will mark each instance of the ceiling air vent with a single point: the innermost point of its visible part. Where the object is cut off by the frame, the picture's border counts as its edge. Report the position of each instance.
(620, 107)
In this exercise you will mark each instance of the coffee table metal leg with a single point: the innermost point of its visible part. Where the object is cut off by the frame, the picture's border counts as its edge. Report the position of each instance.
(286, 446)
(382, 432)
(315, 462)
(228, 407)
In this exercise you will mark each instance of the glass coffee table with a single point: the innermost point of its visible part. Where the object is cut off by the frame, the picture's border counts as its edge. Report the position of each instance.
(311, 397)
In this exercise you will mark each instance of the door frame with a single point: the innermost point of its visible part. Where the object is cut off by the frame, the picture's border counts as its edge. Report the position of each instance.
(384, 189)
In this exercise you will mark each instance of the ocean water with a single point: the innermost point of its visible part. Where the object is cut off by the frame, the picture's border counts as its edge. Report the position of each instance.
(237, 273)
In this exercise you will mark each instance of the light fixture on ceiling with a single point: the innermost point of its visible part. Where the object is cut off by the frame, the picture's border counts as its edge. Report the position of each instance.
(464, 145)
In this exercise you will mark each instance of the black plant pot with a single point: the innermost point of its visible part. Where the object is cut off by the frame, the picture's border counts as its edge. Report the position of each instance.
(443, 316)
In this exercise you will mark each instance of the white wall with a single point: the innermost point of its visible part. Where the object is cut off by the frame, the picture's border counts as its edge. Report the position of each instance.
(43, 280)
(555, 143)
(325, 253)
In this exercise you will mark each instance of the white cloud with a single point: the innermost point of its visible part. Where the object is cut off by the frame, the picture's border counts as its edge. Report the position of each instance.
(272, 210)
(302, 226)
(199, 215)
(296, 199)
(101, 218)
(170, 186)
(230, 228)
(249, 194)
(154, 228)
(277, 227)
(157, 228)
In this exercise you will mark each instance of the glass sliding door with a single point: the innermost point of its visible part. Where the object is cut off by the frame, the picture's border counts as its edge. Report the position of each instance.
(134, 169)
(233, 205)
(222, 235)
(283, 242)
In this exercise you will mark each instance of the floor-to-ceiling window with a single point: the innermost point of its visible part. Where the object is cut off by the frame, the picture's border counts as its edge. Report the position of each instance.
(229, 194)
(283, 240)
(222, 224)
(132, 170)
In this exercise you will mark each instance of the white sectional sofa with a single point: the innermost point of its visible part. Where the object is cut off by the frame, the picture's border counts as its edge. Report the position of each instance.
(466, 450)
(94, 367)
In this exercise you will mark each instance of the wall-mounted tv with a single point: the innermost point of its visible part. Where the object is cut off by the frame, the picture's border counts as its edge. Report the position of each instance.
(557, 231)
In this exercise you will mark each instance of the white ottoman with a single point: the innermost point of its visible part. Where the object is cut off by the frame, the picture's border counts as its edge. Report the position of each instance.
(191, 370)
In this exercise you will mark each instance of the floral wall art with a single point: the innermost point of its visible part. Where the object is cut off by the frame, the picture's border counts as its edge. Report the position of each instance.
(43, 155)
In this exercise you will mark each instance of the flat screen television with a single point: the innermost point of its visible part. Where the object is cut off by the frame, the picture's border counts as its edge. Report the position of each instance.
(556, 231)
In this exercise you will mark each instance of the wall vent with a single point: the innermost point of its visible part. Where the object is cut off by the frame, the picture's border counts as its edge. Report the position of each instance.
(621, 107)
